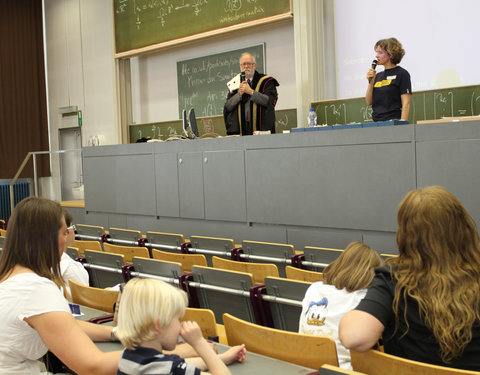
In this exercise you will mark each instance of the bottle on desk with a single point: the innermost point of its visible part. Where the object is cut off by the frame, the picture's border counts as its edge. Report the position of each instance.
(312, 118)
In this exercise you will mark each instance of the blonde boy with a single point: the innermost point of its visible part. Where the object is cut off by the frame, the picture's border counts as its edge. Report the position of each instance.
(149, 323)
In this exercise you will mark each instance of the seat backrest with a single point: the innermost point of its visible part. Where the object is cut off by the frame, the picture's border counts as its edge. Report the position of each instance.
(89, 230)
(170, 242)
(72, 252)
(205, 319)
(235, 299)
(322, 255)
(224, 245)
(295, 273)
(286, 316)
(374, 362)
(304, 350)
(97, 298)
(3, 233)
(87, 245)
(112, 264)
(186, 260)
(127, 251)
(156, 267)
(125, 235)
(258, 270)
(269, 250)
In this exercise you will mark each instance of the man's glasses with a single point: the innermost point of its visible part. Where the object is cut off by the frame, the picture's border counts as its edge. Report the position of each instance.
(247, 64)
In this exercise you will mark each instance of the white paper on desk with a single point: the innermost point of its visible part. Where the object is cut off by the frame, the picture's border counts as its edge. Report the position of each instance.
(234, 83)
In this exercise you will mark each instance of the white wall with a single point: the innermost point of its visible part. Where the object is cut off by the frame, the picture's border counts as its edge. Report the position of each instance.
(80, 72)
(438, 36)
(81, 66)
(154, 77)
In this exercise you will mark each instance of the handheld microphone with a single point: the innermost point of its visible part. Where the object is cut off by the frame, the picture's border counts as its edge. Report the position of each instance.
(242, 76)
(374, 65)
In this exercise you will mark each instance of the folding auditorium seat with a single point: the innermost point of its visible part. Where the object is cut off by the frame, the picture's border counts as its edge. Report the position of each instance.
(317, 258)
(105, 269)
(281, 302)
(374, 362)
(294, 273)
(170, 242)
(304, 350)
(127, 251)
(73, 252)
(206, 320)
(126, 237)
(87, 245)
(97, 298)
(222, 292)
(186, 260)
(89, 232)
(267, 252)
(157, 269)
(210, 246)
(258, 270)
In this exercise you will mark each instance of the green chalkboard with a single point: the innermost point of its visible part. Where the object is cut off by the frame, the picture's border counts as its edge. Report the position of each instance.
(202, 82)
(425, 105)
(212, 126)
(141, 23)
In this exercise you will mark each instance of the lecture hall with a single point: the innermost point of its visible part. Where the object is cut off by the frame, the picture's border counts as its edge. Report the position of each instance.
(250, 154)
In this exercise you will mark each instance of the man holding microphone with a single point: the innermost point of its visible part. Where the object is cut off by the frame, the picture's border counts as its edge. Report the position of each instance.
(251, 107)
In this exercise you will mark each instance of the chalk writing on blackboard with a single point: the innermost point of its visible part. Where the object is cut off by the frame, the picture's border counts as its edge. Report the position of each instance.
(162, 9)
(443, 104)
(202, 81)
(282, 121)
(366, 113)
(336, 114)
(234, 14)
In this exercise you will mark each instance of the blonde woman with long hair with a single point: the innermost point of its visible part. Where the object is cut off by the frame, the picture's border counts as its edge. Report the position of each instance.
(425, 303)
(345, 283)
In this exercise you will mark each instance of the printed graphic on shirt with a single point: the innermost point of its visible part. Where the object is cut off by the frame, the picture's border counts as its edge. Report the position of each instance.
(385, 82)
(317, 312)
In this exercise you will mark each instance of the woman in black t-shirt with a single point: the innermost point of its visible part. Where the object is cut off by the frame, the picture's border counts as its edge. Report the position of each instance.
(389, 92)
(425, 303)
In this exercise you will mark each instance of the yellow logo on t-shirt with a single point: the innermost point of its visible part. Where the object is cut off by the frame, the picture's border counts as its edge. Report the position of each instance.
(385, 82)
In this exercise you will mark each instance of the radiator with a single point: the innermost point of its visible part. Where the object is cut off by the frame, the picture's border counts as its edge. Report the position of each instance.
(21, 190)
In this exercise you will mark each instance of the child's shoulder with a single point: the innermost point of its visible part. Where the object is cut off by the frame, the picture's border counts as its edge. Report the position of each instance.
(136, 360)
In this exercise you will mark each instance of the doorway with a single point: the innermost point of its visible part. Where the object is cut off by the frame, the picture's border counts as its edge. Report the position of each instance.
(71, 175)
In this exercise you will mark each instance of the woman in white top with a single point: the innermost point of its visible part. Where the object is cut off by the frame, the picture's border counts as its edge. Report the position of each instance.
(345, 283)
(35, 315)
(70, 268)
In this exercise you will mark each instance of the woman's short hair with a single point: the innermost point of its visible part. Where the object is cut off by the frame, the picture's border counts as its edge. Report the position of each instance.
(144, 303)
(354, 269)
(393, 47)
(32, 239)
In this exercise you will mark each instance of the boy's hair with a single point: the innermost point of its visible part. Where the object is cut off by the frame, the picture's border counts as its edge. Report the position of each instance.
(68, 217)
(354, 269)
(146, 302)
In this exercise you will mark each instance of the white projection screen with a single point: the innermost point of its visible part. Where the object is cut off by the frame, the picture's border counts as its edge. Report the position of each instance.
(440, 37)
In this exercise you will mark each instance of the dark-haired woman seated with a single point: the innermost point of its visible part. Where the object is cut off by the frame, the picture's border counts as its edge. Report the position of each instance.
(35, 315)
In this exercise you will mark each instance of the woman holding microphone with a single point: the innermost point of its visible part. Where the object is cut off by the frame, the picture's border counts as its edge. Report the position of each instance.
(389, 92)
